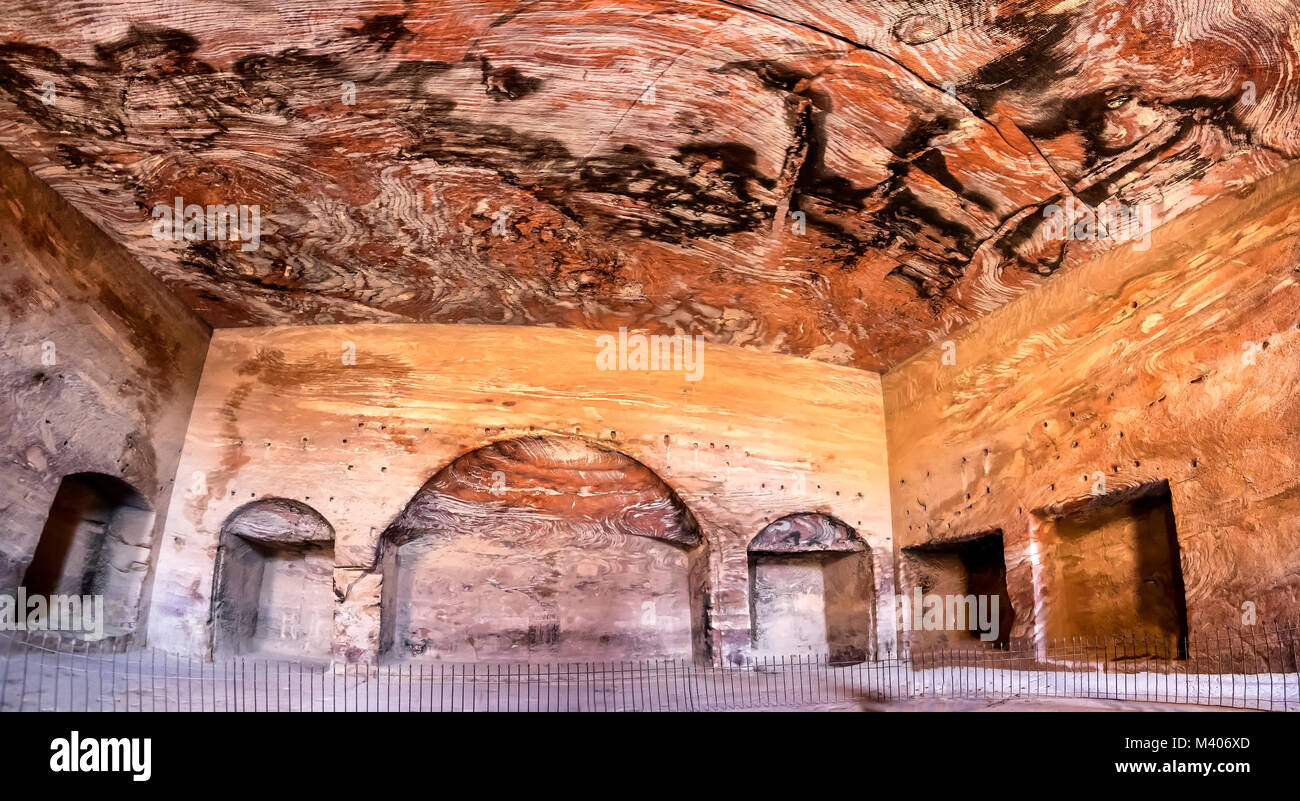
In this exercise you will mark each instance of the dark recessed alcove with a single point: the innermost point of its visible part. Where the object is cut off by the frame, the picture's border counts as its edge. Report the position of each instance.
(1111, 566)
(972, 566)
(95, 542)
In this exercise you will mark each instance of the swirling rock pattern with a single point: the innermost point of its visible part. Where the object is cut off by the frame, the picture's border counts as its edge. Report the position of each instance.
(278, 520)
(559, 479)
(806, 533)
(846, 181)
(543, 548)
(1170, 374)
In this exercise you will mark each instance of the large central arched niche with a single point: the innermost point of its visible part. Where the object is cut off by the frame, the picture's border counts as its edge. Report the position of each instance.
(543, 549)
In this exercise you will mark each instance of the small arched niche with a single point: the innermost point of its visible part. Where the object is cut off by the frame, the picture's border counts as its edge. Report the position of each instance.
(811, 589)
(543, 549)
(96, 541)
(273, 591)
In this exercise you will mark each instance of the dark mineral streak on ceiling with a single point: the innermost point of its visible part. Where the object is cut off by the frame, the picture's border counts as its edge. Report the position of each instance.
(650, 158)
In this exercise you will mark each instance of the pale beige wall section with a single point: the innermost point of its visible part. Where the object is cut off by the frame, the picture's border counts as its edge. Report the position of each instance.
(1180, 363)
(279, 414)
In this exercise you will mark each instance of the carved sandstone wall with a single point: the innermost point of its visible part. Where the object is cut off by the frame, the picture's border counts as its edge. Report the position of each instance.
(1179, 364)
(279, 414)
(98, 370)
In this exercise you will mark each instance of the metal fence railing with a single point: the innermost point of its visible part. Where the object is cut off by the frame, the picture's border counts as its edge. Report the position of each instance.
(1253, 668)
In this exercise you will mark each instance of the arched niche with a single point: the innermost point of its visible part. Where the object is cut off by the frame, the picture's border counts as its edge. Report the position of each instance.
(96, 541)
(543, 549)
(273, 591)
(811, 589)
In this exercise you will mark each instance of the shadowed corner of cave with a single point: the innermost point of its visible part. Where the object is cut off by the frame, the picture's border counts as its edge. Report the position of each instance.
(543, 549)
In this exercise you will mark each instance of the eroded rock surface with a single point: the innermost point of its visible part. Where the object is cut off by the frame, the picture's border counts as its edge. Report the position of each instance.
(847, 181)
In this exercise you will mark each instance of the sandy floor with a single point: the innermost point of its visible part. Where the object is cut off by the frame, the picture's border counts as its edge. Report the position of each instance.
(1004, 705)
(46, 680)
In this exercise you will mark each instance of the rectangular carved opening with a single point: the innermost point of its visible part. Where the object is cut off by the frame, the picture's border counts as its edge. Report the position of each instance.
(95, 543)
(958, 592)
(812, 603)
(1111, 567)
(275, 599)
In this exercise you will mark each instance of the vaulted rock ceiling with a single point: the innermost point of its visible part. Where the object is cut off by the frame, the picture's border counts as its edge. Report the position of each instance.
(648, 159)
